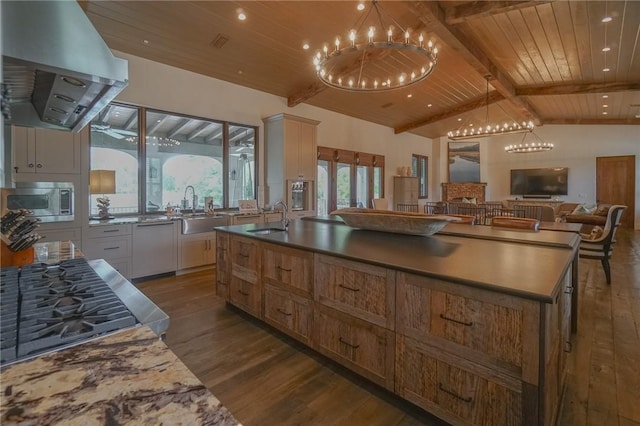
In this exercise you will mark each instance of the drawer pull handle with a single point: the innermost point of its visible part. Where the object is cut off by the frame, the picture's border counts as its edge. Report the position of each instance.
(348, 288)
(112, 248)
(243, 292)
(348, 344)
(453, 394)
(568, 346)
(243, 255)
(283, 312)
(283, 269)
(568, 290)
(111, 230)
(444, 317)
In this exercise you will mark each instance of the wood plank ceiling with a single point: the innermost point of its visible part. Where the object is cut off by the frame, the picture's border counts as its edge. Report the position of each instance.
(545, 58)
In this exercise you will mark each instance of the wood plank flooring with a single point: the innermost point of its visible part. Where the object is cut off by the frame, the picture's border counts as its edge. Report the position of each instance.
(265, 378)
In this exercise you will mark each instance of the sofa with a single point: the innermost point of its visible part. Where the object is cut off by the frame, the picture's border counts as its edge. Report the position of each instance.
(589, 216)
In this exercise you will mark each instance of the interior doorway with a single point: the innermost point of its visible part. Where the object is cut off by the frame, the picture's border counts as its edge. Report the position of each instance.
(616, 184)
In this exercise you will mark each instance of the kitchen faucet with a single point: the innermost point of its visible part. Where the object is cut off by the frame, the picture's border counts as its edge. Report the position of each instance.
(285, 214)
(193, 201)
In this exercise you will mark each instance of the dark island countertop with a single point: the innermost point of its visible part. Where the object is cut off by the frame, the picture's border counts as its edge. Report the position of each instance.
(530, 265)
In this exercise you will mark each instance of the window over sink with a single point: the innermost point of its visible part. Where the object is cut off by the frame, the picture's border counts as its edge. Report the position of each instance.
(217, 158)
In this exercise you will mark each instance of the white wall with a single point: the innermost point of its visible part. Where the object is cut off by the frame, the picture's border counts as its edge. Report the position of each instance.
(164, 87)
(576, 147)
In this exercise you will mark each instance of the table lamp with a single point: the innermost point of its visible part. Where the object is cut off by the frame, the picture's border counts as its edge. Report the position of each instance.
(102, 182)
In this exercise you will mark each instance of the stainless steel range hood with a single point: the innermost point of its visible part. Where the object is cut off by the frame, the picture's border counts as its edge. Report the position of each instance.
(59, 71)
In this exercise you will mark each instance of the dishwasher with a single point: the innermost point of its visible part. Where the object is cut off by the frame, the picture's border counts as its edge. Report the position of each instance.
(154, 248)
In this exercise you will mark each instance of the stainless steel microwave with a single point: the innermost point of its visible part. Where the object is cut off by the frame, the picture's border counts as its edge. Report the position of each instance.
(48, 201)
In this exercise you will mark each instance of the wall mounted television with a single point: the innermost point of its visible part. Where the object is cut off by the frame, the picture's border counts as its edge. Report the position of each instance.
(540, 182)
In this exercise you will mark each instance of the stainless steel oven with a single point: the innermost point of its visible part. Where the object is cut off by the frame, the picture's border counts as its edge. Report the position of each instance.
(48, 201)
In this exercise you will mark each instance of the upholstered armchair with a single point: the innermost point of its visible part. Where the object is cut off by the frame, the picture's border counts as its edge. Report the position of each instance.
(601, 247)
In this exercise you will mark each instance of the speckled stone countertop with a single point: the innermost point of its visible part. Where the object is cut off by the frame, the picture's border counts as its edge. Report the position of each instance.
(129, 377)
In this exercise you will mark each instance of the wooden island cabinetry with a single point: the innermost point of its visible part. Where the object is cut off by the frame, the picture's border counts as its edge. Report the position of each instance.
(469, 355)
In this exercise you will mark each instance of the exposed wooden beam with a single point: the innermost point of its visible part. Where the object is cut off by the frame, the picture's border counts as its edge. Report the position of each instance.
(131, 121)
(461, 109)
(155, 126)
(575, 89)
(434, 17)
(178, 128)
(201, 129)
(106, 113)
(635, 121)
(477, 9)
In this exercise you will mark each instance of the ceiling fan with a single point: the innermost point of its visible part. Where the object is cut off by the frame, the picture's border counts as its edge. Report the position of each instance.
(108, 130)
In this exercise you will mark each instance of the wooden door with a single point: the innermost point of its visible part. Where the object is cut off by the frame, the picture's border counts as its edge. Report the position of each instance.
(615, 184)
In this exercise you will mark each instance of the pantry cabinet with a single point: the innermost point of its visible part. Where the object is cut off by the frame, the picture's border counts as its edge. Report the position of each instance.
(291, 147)
(45, 151)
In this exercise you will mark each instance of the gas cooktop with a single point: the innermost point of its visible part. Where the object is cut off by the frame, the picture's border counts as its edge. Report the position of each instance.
(48, 307)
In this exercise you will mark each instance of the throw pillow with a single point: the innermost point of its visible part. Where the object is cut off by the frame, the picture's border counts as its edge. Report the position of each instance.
(469, 200)
(602, 210)
(579, 209)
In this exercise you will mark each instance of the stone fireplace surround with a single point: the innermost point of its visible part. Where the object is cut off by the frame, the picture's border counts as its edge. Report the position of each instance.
(455, 191)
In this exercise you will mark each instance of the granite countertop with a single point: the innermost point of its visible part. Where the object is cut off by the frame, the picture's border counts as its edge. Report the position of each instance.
(529, 265)
(129, 377)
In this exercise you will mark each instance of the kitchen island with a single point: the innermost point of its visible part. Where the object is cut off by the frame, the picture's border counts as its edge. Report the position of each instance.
(472, 329)
(126, 377)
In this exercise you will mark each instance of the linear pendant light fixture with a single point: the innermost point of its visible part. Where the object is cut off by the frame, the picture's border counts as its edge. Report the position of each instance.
(375, 66)
(474, 132)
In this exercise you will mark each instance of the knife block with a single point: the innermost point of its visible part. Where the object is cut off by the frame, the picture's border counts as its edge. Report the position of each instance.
(15, 258)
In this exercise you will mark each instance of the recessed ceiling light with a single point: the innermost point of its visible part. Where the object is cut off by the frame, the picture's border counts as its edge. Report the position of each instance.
(240, 72)
(605, 106)
(145, 41)
(606, 69)
(241, 15)
(429, 105)
(459, 119)
(605, 96)
(409, 95)
(606, 49)
(305, 46)
(604, 113)
(607, 19)
(360, 6)
(637, 115)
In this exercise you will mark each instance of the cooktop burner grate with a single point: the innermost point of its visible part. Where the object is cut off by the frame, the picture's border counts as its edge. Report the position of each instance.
(9, 296)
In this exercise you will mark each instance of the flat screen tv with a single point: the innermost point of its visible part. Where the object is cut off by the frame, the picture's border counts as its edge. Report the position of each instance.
(539, 182)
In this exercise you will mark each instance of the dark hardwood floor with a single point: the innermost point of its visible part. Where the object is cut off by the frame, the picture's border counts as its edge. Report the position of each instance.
(265, 378)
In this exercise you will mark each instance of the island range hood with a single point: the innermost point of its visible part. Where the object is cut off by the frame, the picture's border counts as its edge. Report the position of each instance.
(58, 71)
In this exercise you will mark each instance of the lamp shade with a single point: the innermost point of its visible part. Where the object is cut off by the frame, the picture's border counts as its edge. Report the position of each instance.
(102, 182)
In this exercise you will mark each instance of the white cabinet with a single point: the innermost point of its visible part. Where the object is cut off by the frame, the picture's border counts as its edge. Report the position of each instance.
(154, 248)
(291, 152)
(111, 243)
(45, 151)
(196, 250)
(61, 234)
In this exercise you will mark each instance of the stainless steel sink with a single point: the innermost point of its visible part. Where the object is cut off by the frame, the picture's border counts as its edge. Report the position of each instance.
(265, 231)
(199, 223)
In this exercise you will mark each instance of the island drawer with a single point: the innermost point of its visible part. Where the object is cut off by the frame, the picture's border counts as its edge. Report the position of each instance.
(457, 390)
(223, 261)
(289, 313)
(359, 289)
(360, 346)
(484, 326)
(244, 252)
(246, 296)
(288, 268)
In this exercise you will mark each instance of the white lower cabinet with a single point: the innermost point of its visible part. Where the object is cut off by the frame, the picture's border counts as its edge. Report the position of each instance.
(196, 250)
(111, 243)
(63, 234)
(154, 248)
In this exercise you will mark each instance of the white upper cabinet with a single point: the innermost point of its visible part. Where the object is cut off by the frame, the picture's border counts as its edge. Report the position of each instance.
(45, 151)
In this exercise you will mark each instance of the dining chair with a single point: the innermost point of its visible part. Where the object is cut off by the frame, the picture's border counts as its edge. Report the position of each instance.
(472, 210)
(530, 211)
(601, 247)
(411, 208)
(435, 207)
(380, 203)
(510, 222)
(492, 209)
(464, 219)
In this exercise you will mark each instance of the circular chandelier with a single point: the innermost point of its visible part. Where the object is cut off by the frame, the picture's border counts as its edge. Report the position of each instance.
(524, 147)
(366, 66)
(488, 129)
